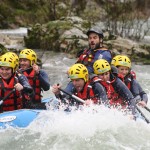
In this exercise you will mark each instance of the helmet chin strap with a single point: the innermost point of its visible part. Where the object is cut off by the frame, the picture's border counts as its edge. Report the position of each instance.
(32, 63)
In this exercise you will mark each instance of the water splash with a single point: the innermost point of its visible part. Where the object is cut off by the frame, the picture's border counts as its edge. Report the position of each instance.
(92, 128)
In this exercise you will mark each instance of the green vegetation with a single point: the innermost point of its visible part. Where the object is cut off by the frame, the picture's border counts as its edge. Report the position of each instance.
(29, 12)
(3, 50)
(49, 36)
(48, 20)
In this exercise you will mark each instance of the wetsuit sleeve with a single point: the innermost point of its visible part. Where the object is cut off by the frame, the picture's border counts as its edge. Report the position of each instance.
(100, 92)
(27, 89)
(69, 89)
(44, 80)
(122, 89)
(125, 93)
(137, 90)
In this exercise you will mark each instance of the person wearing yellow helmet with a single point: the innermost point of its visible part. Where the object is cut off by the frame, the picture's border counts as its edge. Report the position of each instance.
(102, 68)
(15, 56)
(9, 80)
(82, 87)
(123, 63)
(37, 77)
(117, 92)
(95, 51)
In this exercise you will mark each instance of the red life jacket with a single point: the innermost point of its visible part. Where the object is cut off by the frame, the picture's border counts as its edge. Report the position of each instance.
(88, 56)
(133, 74)
(35, 84)
(120, 76)
(114, 98)
(127, 80)
(87, 93)
(14, 101)
(128, 83)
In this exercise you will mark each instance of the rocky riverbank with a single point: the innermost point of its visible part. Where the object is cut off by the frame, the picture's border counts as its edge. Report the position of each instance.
(69, 35)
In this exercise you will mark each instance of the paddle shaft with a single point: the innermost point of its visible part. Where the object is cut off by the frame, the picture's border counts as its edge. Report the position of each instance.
(148, 109)
(142, 114)
(73, 96)
(1, 101)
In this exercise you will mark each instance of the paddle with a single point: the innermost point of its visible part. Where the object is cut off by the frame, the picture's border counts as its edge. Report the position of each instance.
(147, 120)
(73, 96)
(1, 101)
(148, 109)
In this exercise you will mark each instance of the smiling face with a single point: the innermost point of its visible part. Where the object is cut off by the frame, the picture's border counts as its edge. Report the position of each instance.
(78, 84)
(5, 72)
(105, 76)
(123, 70)
(24, 63)
(94, 40)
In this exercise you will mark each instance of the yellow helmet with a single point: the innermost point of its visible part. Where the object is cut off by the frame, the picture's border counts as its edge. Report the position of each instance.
(121, 60)
(78, 71)
(114, 60)
(101, 66)
(7, 60)
(28, 54)
(13, 55)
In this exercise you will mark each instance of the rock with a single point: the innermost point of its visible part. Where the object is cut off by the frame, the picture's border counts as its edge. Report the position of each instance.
(73, 32)
(126, 46)
(65, 35)
(73, 19)
(74, 37)
(69, 35)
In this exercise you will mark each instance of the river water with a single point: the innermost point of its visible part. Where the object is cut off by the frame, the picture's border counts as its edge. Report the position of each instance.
(94, 128)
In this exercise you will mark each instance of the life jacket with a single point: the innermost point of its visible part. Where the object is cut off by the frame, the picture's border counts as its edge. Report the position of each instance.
(35, 84)
(128, 78)
(114, 98)
(87, 57)
(133, 74)
(121, 77)
(87, 93)
(14, 101)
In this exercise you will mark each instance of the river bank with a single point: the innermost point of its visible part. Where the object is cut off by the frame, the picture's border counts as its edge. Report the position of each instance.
(13, 39)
